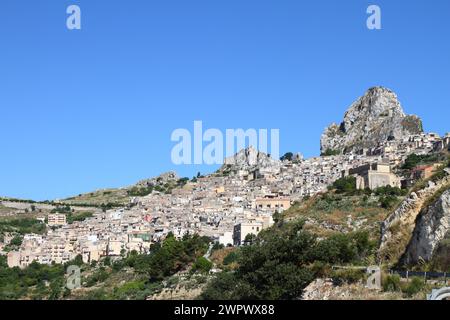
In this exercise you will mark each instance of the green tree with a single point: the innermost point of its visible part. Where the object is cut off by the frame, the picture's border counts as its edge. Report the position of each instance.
(287, 156)
(345, 185)
(280, 264)
(387, 202)
(202, 265)
(16, 241)
(330, 152)
(250, 239)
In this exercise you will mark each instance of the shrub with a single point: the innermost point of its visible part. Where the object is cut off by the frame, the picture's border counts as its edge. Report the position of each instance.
(415, 286)
(414, 160)
(338, 248)
(217, 246)
(392, 283)
(140, 191)
(61, 209)
(202, 265)
(168, 257)
(181, 182)
(283, 261)
(71, 218)
(287, 156)
(221, 287)
(329, 202)
(438, 175)
(387, 202)
(330, 152)
(351, 275)
(388, 190)
(345, 185)
(22, 226)
(99, 276)
(16, 241)
(230, 258)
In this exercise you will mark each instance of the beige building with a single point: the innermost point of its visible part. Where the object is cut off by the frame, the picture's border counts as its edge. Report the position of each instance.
(94, 251)
(13, 259)
(219, 190)
(57, 219)
(243, 229)
(252, 225)
(226, 239)
(374, 175)
(115, 247)
(272, 204)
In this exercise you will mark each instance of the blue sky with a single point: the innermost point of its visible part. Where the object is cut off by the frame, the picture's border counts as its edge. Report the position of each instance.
(95, 108)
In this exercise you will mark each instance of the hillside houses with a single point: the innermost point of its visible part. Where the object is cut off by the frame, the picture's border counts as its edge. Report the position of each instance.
(238, 200)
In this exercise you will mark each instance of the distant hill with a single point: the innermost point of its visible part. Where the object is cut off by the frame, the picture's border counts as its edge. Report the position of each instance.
(121, 196)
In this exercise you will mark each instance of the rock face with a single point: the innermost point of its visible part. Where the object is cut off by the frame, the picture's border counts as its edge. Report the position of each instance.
(398, 228)
(374, 118)
(249, 158)
(159, 180)
(431, 228)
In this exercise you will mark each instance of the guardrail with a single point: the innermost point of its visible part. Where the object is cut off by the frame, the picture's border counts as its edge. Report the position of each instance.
(428, 275)
(422, 274)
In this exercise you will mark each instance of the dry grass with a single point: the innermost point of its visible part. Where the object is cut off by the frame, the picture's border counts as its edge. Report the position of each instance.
(334, 210)
(96, 198)
(218, 256)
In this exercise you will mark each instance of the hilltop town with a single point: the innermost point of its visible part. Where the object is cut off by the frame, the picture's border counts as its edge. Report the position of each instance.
(242, 197)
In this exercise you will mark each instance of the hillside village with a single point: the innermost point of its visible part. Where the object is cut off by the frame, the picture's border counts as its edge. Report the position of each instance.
(241, 198)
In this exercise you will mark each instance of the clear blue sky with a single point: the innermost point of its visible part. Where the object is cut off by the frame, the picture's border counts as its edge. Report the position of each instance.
(89, 109)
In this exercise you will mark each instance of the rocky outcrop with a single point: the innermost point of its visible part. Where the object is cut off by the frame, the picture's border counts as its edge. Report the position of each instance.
(397, 229)
(431, 228)
(250, 158)
(184, 287)
(162, 179)
(325, 289)
(374, 118)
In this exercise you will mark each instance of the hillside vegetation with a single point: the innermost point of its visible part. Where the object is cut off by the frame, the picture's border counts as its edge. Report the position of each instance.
(345, 209)
(284, 260)
(134, 276)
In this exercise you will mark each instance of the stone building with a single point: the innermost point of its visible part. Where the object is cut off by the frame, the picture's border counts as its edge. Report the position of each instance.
(243, 229)
(56, 219)
(374, 175)
(272, 204)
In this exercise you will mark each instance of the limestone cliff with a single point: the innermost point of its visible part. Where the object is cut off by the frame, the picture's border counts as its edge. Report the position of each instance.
(374, 118)
(432, 226)
(400, 227)
(249, 158)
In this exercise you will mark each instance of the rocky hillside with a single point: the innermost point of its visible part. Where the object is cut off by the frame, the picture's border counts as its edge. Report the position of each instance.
(248, 158)
(431, 229)
(374, 118)
(419, 224)
(121, 196)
